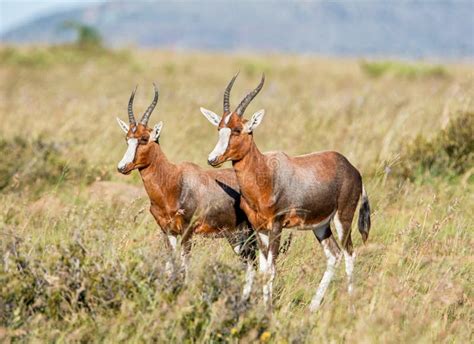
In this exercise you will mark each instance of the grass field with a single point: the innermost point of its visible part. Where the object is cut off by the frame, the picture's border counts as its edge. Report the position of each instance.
(83, 260)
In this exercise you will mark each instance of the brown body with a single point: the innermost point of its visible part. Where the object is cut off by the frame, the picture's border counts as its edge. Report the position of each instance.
(300, 191)
(279, 191)
(185, 199)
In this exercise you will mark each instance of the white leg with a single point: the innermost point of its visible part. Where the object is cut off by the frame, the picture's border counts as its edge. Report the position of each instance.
(349, 262)
(266, 266)
(339, 227)
(332, 262)
(262, 262)
(249, 277)
(268, 286)
(173, 242)
(262, 257)
(348, 259)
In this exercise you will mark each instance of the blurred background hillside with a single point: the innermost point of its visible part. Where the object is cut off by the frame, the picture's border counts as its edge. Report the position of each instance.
(372, 28)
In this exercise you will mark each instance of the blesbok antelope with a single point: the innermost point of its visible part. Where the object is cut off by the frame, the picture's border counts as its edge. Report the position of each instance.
(279, 191)
(185, 199)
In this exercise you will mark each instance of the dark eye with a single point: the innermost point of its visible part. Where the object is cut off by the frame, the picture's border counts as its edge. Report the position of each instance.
(144, 139)
(236, 131)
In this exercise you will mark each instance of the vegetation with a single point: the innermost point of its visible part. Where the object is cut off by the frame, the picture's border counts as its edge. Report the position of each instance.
(39, 165)
(41, 57)
(88, 37)
(401, 69)
(449, 153)
(83, 261)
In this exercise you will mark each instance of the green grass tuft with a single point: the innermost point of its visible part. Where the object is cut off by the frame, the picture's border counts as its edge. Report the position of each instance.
(400, 69)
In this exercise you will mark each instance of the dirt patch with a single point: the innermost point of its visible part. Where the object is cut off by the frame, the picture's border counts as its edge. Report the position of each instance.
(113, 191)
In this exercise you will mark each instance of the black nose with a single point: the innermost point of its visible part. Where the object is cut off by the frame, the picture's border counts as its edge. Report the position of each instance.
(211, 162)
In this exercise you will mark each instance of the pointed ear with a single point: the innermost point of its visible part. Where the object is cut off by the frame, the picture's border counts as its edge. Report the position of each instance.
(155, 133)
(254, 121)
(211, 116)
(123, 125)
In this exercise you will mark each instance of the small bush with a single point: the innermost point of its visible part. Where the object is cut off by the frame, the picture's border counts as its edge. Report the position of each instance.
(378, 68)
(72, 279)
(87, 36)
(39, 164)
(449, 153)
(42, 57)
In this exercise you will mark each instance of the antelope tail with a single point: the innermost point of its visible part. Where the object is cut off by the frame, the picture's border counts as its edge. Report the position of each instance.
(364, 216)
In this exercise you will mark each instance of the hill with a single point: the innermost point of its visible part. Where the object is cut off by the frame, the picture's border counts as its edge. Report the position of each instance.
(408, 29)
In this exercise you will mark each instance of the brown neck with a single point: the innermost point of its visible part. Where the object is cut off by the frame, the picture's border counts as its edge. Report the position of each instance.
(252, 170)
(158, 174)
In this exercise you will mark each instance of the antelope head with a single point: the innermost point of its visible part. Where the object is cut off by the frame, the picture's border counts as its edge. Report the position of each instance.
(235, 132)
(139, 138)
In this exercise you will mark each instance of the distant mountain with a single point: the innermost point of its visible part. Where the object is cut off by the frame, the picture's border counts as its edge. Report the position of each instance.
(402, 28)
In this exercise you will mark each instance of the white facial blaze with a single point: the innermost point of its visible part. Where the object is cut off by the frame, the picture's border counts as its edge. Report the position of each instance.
(221, 146)
(129, 154)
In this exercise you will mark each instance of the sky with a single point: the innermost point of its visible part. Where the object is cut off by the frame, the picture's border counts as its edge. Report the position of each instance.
(16, 12)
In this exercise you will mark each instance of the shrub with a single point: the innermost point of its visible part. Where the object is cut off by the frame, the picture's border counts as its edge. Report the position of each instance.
(407, 70)
(71, 280)
(449, 153)
(87, 36)
(39, 164)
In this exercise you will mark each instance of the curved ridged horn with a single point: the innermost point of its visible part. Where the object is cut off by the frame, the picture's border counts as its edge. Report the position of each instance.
(246, 101)
(147, 114)
(131, 117)
(227, 93)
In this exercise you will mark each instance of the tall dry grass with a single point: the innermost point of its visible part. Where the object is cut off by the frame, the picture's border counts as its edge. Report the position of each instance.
(85, 265)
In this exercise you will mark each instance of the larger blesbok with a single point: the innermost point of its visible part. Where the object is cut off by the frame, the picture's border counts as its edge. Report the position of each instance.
(279, 191)
(185, 199)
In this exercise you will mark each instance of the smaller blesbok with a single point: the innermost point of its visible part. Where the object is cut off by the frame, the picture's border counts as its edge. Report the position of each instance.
(185, 199)
(279, 191)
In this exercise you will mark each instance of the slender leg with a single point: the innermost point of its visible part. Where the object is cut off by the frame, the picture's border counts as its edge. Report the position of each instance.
(249, 278)
(333, 255)
(269, 275)
(185, 250)
(343, 227)
(263, 245)
(268, 268)
(172, 243)
(244, 244)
